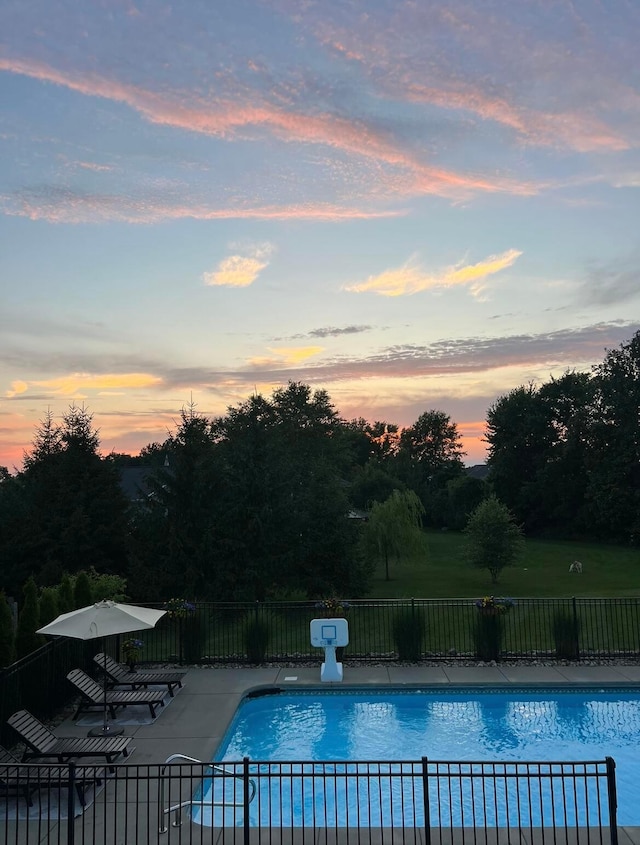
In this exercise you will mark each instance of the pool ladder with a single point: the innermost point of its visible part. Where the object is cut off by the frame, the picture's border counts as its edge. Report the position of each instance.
(189, 802)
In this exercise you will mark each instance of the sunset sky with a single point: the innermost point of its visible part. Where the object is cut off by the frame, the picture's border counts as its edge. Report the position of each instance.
(414, 205)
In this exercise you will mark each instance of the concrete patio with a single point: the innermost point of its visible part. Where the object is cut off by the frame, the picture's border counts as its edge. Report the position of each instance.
(198, 717)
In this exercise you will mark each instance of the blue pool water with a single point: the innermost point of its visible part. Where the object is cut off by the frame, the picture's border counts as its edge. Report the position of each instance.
(455, 725)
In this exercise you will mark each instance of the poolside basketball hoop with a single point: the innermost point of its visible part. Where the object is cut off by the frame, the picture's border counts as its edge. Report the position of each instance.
(329, 634)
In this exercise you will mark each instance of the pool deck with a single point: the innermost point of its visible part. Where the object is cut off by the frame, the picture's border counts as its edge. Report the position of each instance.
(198, 717)
(196, 721)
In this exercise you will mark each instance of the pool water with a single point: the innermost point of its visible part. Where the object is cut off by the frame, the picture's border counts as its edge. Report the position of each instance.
(455, 725)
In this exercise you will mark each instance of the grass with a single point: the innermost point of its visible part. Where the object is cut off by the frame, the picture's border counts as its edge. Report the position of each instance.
(543, 571)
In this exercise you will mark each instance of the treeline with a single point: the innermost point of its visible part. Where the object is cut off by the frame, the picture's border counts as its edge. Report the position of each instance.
(261, 502)
(565, 456)
(254, 504)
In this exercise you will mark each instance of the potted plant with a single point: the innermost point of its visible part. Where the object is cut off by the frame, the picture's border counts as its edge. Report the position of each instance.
(333, 607)
(488, 629)
(179, 608)
(190, 631)
(131, 652)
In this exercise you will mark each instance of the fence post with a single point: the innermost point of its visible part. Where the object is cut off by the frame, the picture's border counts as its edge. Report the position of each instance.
(425, 801)
(245, 801)
(71, 804)
(613, 799)
(576, 629)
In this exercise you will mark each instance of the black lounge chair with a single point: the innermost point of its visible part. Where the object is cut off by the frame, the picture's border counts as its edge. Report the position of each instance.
(18, 778)
(92, 696)
(41, 742)
(119, 675)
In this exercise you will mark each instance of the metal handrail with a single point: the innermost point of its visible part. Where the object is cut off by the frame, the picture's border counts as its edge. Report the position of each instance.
(189, 802)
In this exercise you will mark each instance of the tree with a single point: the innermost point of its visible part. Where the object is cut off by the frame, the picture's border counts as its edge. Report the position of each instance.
(394, 529)
(562, 483)
(520, 436)
(372, 484)
(7, 637)
(174, 534)
(494, 540)
(66, 602)
(614, 453)
(434, 442)
(66, 506)
(82, 595)
(48, 605)
(429, 454)
(282, 474)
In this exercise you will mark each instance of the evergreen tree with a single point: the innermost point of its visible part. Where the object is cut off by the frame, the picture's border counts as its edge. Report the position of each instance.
(48, 605)
(73, 508)
(7, 636)
(66, 601)
(82, 594)
(28, 621)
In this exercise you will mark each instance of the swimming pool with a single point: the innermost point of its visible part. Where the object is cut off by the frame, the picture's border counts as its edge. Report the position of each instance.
(443, 724)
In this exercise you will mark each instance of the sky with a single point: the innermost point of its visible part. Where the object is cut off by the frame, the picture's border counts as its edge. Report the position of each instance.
(414, 205)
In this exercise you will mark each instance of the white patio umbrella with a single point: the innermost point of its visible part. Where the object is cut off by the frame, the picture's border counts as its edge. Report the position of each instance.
(102, 619)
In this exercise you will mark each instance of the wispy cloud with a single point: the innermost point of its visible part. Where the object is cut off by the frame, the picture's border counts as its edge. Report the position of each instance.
(240, 271)
(232, 118)
(451, 357)
(613, 282)
(412, 278)
(332, 331)
(78, 382)
(64, 205)
(291, 355)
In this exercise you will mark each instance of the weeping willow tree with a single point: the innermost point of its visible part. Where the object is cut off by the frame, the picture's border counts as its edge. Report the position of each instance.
(394, 529)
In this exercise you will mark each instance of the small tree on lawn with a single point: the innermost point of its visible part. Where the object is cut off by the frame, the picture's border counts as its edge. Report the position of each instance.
(394, 528)
(494, 540)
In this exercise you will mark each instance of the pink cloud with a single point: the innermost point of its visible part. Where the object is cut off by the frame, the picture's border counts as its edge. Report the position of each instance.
(70, 207)
(227, 118)
(581, 132)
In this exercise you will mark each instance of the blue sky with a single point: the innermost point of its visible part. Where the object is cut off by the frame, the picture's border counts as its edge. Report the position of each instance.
(413, 205)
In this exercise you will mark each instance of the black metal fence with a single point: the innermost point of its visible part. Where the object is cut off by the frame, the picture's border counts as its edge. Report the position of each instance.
(257, 632)
(412, 802)
(253, 632)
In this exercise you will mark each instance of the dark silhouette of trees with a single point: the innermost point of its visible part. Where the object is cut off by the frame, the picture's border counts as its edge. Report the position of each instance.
(65, 510)
(565, 457)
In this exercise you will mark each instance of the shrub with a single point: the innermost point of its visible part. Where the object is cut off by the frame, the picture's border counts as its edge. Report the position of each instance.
(487, 636)
(408, 628)
(107, 586)
(194, 635)
(566, 628)
(256, 635)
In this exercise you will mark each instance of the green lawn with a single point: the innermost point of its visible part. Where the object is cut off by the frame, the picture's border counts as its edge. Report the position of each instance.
(542, 571)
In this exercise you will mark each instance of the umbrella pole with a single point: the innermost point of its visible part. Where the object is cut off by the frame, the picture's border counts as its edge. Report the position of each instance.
(105, 729)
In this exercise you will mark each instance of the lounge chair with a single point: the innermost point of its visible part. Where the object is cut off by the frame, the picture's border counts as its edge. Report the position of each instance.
(92, 696)
(118, 675)
(41, 742)
(17, 778)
